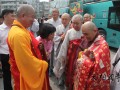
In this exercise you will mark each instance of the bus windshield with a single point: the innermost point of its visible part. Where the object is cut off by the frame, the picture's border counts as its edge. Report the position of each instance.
(114, 18)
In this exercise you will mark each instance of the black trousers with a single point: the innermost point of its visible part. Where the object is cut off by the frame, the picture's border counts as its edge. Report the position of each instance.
(6, 71)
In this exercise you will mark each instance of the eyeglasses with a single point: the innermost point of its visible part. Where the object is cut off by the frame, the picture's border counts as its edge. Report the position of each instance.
(75, 23)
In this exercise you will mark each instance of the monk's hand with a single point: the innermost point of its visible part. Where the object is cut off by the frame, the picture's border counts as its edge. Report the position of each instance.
(47, 54)
(89, 54)
(62, 36)
(62, 62)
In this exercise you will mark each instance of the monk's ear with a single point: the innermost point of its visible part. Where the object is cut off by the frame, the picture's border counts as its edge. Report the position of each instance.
(23, 15)
(95, 30)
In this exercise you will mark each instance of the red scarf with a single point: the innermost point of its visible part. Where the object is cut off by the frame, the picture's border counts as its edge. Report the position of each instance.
(74, 47)
(39, 51)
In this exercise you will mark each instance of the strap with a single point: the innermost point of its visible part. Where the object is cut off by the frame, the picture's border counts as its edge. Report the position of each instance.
(42, 50)
(114, 64)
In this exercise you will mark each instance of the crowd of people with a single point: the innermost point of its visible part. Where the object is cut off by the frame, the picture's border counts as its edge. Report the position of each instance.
(70, 49)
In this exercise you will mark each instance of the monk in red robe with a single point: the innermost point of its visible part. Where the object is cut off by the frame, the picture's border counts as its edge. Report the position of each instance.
(75, 46)
(93, 64)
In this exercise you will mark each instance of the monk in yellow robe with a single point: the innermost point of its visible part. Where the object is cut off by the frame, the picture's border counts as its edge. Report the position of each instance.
(27, 67)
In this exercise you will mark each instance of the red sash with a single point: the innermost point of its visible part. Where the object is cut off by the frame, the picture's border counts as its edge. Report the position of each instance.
(75, 46)
(36, 51)
(14, 70)
(39, 52)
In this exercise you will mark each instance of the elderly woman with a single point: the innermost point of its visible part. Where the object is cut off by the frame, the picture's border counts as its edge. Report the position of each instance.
(46, 36)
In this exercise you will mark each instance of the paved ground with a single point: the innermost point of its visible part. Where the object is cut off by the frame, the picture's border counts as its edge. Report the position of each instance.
(53, 80)
(53, 83)
(1, 84)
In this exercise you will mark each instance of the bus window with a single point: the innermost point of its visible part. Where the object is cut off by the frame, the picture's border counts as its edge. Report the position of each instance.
(114, 18)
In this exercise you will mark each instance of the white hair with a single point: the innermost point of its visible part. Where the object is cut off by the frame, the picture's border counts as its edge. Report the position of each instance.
(66, 14)
(77, 16)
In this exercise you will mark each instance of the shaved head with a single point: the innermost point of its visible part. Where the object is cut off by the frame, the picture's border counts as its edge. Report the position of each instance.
(55, 14)
(77, 21)
(25, 9)
(55, 10)
(65, 19)
(87, 17)
(89, 25)
(77, 16)
(26, 15)
(65, 15)
(89, 30)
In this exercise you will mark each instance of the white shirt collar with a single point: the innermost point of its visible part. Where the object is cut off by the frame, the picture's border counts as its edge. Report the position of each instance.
(3, 26)
(56, 20)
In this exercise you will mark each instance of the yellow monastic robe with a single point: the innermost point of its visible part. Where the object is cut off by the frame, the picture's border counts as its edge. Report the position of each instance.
(28, 71)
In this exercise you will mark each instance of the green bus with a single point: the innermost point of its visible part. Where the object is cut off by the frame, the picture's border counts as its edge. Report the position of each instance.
(106, 16)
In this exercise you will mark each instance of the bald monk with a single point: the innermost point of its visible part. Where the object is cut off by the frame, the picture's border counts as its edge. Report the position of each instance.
(87, 17)
(27, 66)
(92, 69)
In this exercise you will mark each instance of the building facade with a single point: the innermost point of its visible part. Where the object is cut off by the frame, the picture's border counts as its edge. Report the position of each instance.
(44, 8)
(11, 4)
(41, 8)
(62, 5)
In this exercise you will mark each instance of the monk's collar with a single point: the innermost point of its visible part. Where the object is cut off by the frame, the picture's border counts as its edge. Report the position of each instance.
(55, 20)
(66, 26)
(17, 23)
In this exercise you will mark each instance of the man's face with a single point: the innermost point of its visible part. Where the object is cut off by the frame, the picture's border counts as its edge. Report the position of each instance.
(65, 20)
(49, 16)
(29, 19)
(89, 34)
(55, 13)
(87, 18)
(9, 17)
(1, 21)
(76, 24)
